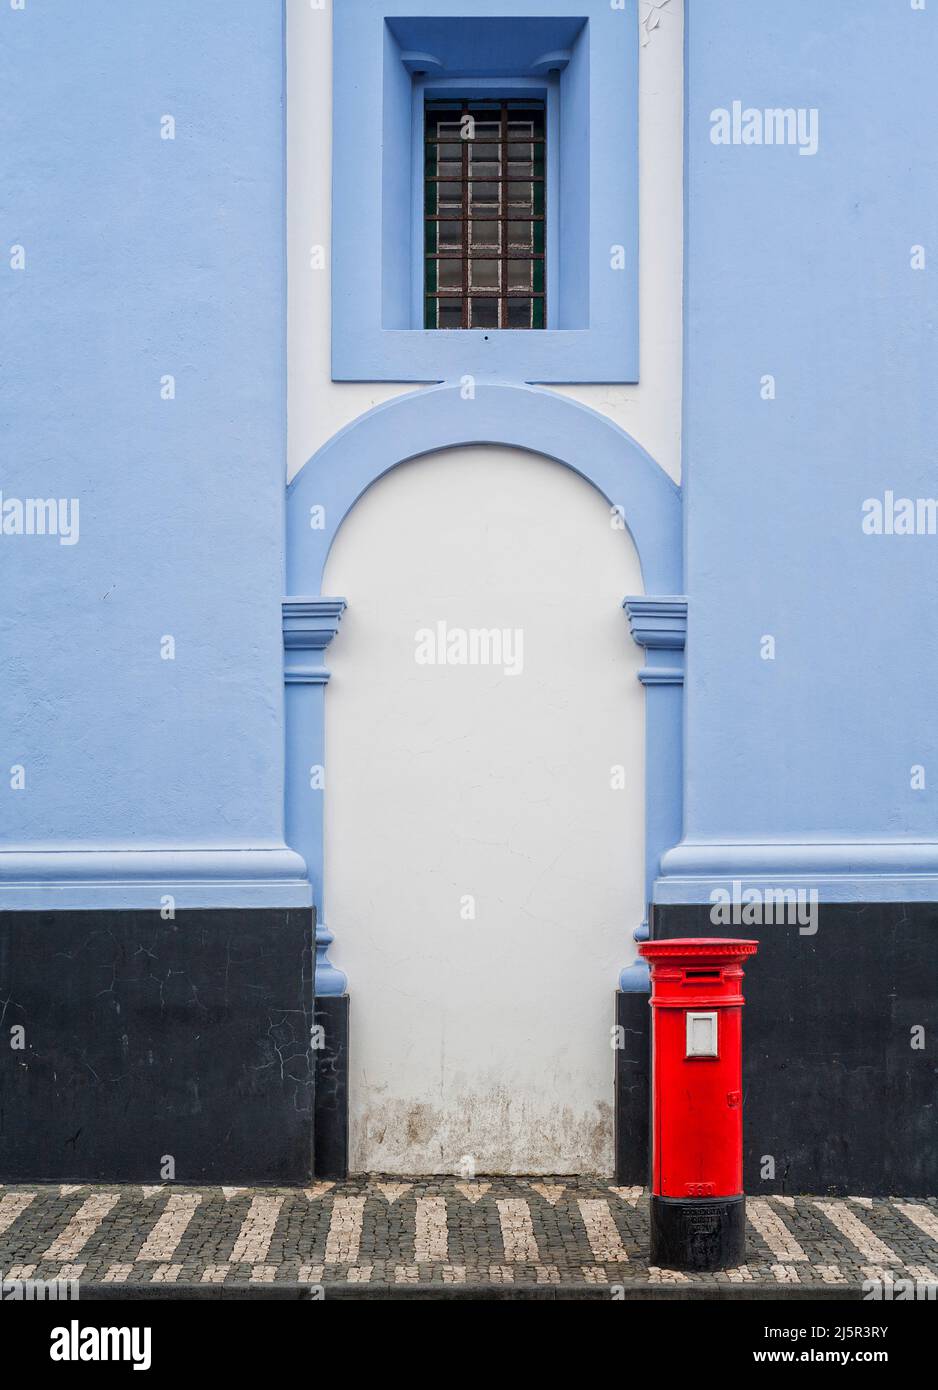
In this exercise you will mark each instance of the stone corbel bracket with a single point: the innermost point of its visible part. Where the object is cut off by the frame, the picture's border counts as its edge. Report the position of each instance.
(309, 625)
(660, 626)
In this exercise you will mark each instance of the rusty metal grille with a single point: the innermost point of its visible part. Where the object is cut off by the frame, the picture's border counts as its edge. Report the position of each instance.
(484, 214)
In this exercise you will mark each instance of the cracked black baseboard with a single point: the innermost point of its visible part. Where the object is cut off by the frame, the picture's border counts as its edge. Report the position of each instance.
(133, 1049)
(837, 1097)
(632, 1054)
(332, 1069)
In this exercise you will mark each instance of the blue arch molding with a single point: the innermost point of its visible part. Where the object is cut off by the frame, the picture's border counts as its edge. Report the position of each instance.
(522, 417)
(444, 417)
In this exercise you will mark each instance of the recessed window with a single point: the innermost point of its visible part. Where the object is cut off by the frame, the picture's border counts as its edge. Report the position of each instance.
(531, 228)
(485, 214)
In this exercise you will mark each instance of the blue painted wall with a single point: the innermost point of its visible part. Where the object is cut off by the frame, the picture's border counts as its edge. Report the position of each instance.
(145, 257)
(799, 266)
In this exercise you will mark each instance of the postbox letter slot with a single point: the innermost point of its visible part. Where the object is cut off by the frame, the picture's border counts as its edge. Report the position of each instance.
(701, 1035)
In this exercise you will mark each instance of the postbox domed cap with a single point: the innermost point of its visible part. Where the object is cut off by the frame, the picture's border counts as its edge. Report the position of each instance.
(698, 948)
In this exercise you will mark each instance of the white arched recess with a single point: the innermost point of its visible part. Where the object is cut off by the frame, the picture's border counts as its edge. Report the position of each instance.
(431, 422)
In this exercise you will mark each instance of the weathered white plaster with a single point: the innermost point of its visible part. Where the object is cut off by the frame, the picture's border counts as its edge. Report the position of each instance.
(487, 1037)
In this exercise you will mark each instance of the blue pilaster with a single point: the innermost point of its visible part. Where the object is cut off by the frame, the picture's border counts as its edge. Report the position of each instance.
(659, 624)
(309, 625)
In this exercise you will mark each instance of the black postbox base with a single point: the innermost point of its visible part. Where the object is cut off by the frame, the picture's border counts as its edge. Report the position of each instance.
(698, 1234)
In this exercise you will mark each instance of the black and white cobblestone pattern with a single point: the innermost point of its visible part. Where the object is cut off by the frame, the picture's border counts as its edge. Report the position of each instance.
(394, 1232)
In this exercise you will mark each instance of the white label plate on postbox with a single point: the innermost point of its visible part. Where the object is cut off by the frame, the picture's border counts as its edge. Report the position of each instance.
(701, 1035)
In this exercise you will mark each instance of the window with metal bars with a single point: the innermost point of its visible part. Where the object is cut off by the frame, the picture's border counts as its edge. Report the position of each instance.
(484, 214)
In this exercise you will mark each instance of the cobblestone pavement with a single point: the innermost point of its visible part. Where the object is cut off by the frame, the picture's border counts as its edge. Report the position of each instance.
(403, 1234)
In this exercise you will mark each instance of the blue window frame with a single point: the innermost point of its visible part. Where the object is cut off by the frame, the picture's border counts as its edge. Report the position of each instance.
(390, 58)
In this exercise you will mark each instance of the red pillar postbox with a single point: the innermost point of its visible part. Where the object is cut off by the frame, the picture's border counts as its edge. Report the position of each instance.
(698, 1210)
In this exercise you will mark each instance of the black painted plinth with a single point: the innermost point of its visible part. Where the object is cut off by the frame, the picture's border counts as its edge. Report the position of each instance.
(698, 1235)
(837, 1098)
(147, 1040)
(332, 1061)
(633, 1021)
